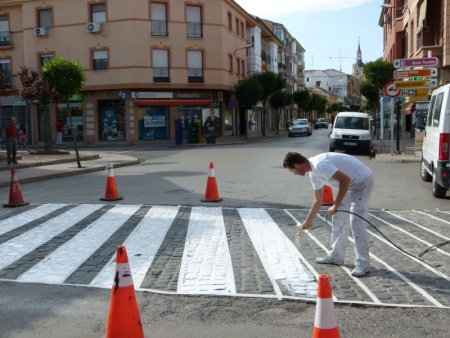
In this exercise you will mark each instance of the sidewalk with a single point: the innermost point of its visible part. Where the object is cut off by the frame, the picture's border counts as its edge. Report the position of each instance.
(36, 168)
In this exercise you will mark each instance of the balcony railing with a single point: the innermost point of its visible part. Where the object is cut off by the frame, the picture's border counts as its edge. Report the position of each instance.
(194, 30)
(161, 74)
(195, 75)
(6, 39)
(159, 28)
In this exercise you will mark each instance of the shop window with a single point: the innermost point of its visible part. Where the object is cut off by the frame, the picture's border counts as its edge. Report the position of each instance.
(76, 111)
(100, 60)
(158, 16)
(153, 123)
(98, 13)
(45, 18)
(112, 122)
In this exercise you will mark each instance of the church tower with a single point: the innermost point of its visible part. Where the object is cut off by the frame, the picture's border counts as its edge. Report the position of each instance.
(358, 67)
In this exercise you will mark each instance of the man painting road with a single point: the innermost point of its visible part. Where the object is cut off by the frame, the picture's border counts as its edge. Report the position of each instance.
(355, 184)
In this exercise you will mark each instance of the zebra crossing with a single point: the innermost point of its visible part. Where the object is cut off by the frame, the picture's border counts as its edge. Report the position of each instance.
(253, 252)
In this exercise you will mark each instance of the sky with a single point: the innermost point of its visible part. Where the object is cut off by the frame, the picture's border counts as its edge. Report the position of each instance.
(329, 30)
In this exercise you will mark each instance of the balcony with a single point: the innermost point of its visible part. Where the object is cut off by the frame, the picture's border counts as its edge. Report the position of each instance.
(161, 75)
(195, 75)
(6, 40)
(194, 30)
(159, 28)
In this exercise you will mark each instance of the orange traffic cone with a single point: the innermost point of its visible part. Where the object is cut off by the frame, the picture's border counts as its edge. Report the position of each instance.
(327, 198)
(325, 324)
(111, 193)
(15, 194)
(124, 319)
(211, 194)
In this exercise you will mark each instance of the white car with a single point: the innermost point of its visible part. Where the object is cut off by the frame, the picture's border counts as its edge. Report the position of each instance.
(351, 131)
(435, 163)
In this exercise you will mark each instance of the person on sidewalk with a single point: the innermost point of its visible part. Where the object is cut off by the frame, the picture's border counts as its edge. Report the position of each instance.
(354, 182)
(22, 131)
(11, 141)
(59, 133)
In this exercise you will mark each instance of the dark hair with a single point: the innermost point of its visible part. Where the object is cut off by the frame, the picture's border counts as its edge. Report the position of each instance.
(293, 158)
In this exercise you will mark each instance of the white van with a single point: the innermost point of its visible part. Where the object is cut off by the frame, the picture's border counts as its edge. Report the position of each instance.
(351, 131)
(435, 163)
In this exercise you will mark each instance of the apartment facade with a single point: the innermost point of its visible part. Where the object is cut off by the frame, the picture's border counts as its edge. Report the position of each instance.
(152, 67)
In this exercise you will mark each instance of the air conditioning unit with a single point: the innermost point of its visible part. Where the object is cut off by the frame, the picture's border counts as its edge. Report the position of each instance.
(93, 27)
(40, 31)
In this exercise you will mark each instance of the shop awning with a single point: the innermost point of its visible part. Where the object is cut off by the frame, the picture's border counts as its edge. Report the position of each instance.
(167, 102)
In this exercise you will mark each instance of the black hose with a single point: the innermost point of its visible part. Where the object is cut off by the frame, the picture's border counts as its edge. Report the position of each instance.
(407, 253)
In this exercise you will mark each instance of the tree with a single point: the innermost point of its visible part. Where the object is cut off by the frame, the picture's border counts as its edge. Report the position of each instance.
(371, 93)
(270, 83)
(317, 103)
(248, 93)
(34, 88)
(66, 78)
(378, 73)
(278, 100)
(302, 99)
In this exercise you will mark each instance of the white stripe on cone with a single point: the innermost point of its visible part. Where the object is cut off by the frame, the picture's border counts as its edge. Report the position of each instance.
(123, 276)
(325, 316)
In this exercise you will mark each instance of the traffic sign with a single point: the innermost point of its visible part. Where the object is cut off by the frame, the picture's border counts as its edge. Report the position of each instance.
(415, 84)
(408, 92)
(401, 74)
(420, 62)
(233, 103)
(390, 90)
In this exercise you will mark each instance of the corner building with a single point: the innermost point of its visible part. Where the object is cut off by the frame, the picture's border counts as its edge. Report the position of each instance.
(152, 68)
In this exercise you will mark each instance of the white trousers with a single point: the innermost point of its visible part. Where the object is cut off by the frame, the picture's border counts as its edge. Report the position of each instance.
(356, 201)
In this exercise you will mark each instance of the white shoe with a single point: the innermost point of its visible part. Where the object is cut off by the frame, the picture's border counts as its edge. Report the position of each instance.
(359, 271)
(328, 260)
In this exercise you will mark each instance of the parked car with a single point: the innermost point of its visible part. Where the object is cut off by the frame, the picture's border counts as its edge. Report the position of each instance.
(321, 123)
(351, 131)
(300, 127)
(435, 163)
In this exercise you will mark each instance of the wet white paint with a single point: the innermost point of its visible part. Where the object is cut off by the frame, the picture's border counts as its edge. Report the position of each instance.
(56, 267)
(206, 266)
(142, 245)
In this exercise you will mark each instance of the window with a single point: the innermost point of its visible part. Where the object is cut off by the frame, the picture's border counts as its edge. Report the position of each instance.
(158, 17)
(5, 37)
(230, 63)
(242, 30)
(195, 67)
(98, 13)
(45, 58)
(279, 33)
(237, 26)
(45, 18)
(100, 60)
(5, 69)
(160, 65)
(238, 67)
(437, 109)
(242, 68)
(194, 22)
(230, 22)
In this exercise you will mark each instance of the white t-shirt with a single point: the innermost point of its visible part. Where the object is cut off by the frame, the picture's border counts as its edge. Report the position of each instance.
(324, 166)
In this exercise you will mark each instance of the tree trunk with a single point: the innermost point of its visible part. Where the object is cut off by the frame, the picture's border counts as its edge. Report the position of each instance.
(263, 119)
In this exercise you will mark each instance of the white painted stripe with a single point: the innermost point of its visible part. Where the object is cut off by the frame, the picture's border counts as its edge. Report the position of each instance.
(410, 235)
(26, 217)
(57, 266)
(432, 216)
(418, 225)
(206, 264)
(325, 316)
(347, 270)
(279, 257)
(400, 275)
(25, 243)
(142, 245)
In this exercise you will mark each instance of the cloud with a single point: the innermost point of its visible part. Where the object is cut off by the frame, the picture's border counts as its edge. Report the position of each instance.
(271, 9)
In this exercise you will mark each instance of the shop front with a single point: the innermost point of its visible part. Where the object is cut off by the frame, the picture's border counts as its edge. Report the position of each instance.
(112, 121)
(76, 107)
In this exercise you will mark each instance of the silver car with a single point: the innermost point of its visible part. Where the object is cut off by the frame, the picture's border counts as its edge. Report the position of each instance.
(300, 127)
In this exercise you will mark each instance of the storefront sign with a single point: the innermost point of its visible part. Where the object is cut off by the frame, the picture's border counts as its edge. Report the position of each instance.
(152, 95)
(76, 97)
(193, 95)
